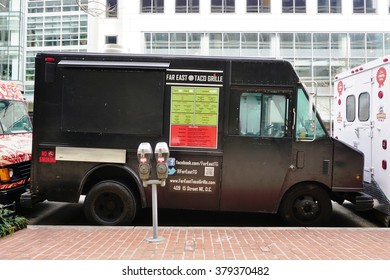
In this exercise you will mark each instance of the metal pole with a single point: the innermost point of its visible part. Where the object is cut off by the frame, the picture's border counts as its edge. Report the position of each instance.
(155, 237)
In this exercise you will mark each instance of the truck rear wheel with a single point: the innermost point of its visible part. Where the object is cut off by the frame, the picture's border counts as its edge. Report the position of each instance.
(306, 205)
(110, 203)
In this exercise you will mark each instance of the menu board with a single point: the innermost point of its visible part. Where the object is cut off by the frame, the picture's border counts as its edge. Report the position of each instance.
(194, 116)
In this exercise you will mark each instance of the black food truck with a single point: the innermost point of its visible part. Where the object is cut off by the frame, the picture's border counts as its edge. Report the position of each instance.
(243, 135)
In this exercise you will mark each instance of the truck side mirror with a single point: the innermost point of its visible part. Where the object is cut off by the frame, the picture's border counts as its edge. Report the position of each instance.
(144, 155)
(161, 153)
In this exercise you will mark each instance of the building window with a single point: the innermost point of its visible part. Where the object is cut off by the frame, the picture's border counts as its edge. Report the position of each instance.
(187, 6)
(4, 35)
(111, 39)
(258, 6)
(357, 44)
(338, 45)
(364, 6)
(222, 6)
(387, 43)
(71, 5)
(329, 6)
(160, 43)
(374, 45)
(321, 45)
(152, 6)
(286, 46)
(178, 43)
(5, 70)
(294, 6)
(112, 8)
(35, 7)
(52, 6)
(4, 5)
(194, 43)
(231, 44)
(215, 43)
(303, 45)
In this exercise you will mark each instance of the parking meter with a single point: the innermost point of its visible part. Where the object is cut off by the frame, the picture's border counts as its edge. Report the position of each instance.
(161, 153)
(144, 155)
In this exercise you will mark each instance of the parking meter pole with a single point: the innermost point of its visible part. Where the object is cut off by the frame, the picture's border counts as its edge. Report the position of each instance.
(144, 155)
(155, 237)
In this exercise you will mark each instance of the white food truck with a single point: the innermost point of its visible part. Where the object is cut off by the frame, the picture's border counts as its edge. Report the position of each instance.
(362, 102)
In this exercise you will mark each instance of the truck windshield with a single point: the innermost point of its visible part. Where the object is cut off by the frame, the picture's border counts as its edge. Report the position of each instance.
(14, 117)
(308, 126)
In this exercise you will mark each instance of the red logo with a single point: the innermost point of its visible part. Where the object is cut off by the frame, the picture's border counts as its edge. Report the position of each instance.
(340, 87)
(381, 76)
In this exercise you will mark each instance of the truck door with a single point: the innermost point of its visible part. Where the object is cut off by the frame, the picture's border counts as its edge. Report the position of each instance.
(358, 123)
(257, 149)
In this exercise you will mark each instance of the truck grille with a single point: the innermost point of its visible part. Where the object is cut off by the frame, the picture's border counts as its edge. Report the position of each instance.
(21, 170)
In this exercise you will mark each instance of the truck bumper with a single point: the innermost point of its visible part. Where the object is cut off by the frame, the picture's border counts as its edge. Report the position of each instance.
(362, 201)
(27, 199)
(11, 195)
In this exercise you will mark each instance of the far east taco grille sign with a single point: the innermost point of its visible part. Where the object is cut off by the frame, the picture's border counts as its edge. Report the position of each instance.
(194, 108)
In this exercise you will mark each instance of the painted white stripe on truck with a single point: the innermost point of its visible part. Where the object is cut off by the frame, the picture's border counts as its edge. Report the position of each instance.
(90, 154)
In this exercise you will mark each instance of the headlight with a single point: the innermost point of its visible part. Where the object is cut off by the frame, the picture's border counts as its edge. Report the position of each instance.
(6, 174)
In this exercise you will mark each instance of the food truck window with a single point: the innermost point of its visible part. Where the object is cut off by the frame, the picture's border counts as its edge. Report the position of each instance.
(364, 107)
(122, 101)
(263, 115)
(308, 125)
(350, 108)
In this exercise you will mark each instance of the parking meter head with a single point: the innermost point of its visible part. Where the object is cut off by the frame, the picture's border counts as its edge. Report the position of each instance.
(161, 152)
(144, 155)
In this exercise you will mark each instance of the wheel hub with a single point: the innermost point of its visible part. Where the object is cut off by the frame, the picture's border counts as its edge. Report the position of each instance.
(306, 207)
(109, 206)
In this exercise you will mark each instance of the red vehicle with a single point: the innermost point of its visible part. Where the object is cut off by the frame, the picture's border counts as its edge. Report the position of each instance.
(15, 143)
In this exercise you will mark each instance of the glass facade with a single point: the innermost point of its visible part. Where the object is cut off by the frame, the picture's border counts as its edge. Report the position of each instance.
(11, 39)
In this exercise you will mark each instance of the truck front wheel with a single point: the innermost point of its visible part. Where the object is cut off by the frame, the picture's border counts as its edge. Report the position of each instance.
(110, 203)
(306, 205)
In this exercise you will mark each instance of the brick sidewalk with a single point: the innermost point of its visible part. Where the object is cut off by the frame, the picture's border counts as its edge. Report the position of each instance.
(195, 243)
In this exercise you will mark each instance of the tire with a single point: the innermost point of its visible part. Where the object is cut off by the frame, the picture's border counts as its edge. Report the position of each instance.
(306, 205)
(110, 203)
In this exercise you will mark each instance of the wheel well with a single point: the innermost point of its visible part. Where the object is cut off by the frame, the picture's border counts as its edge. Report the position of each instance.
(112, 172)
(306, 204)
(323, 186)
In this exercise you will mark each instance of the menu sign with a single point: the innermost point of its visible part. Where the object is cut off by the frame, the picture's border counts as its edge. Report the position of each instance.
(194, 110)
